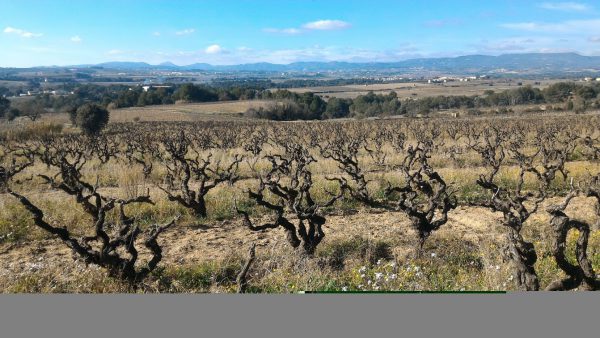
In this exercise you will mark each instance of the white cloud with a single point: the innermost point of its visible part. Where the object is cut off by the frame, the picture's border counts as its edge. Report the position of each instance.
(242, 55)
(331, 53)
(76, 39)
(326, 25)
(506, 45)
(213, 49)
(320, 25)
(531, 44)
(594, 38)
(186, 31)
(565, 6)
(570, 26)
(156, 33)
(115, 52)
(287, 31)
(22, 33)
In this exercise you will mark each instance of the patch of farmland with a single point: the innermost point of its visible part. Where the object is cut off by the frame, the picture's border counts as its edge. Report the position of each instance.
(229, 110)
(420, 89)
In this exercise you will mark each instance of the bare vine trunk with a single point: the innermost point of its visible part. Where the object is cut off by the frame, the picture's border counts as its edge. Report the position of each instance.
(242, 277)
(199, 208)
(523, 256)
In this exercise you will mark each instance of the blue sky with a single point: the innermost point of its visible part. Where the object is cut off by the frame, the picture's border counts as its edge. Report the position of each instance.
(229, 32)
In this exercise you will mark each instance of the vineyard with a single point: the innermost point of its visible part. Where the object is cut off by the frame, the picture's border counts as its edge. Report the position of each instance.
(506, 203)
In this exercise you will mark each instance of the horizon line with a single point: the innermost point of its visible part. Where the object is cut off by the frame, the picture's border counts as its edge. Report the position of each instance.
(295, 62)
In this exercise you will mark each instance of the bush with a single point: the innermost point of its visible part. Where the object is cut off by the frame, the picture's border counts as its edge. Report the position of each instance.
(337, 108)
(4, 106)
(91, 118)
(193, 93)
(280, 111)
(12, 114)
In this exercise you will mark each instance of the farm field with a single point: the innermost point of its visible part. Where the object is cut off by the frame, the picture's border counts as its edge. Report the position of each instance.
(189, 112)
(333, 168)
(419, 89)
(412, 204)
(225, 110)
(206, 257)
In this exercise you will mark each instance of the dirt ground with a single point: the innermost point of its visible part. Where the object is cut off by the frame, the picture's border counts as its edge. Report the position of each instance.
(194, 244)
(209, 111)
(420, 89)
(187, 111)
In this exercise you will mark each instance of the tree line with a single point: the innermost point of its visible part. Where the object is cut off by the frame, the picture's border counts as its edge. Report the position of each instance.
(307, 106)
(288, 105)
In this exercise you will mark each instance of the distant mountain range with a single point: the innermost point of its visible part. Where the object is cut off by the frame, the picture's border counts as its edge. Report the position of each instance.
(533, 63)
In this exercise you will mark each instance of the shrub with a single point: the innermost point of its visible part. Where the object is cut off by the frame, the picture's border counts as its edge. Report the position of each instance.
(12, 114)
(4, 106)
(91, 118)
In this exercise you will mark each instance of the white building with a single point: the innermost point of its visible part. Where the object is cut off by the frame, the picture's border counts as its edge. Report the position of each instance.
(146, 88)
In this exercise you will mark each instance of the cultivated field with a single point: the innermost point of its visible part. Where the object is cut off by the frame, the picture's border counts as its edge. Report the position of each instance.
(439, 204)
(188, 112)
(226, 110)
(420, 89)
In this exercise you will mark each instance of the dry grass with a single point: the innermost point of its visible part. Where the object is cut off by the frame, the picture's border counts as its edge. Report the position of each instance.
(24, 131)
(229, 110)
(463, 255)
(419, 89)
(203, 255)
(210, 111)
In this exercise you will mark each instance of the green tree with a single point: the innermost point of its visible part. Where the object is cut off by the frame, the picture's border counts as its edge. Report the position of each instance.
(32, 109)
(192, 93)
(4, 91)
(586, 92)
(12, 114)
(91, 118)
(72, 111)
(4, 105)
(336, 108)
(570, 105)
(559, 92)
(128, 98)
